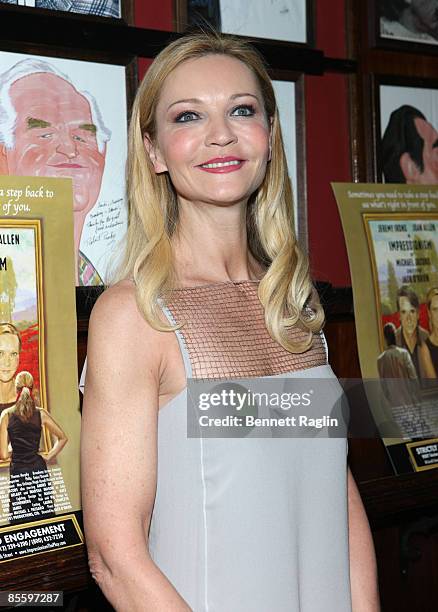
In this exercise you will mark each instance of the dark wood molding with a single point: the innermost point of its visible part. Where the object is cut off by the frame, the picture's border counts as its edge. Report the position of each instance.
(53, 571)
(65, 31)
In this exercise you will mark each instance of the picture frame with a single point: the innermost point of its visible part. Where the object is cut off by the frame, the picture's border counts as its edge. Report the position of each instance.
(67, 7)
(293, 21)
(289, 86)
(111, 68)
(394, 27)
(407, 100)
(391, 240)
(38, 225)
(376, 58)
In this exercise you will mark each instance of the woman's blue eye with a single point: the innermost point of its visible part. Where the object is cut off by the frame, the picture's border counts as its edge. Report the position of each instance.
(185, 117)
(245, 110)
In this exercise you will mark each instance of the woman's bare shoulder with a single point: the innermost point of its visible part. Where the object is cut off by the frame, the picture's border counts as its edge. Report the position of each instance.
(44, 414)
(5, 414)
(117, 327)
(117, 309)
(117, 301)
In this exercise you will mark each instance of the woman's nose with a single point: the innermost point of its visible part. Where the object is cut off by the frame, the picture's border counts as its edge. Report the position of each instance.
(5, 359)
(220, 133)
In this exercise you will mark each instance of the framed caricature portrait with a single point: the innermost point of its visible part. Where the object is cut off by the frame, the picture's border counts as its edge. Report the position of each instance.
(113, 9)
(405, 130)
(410, 25)
(287, 20)
(67, 118)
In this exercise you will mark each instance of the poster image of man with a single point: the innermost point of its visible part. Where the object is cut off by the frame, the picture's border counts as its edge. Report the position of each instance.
(80, 134)
(100, 8)
(404, 252)
(395, 363)
(432, 313)
(392, 239)
(49, 128)
(409, 148)
(410, 20)
(405, 265)
(411, 336)
(401, 389)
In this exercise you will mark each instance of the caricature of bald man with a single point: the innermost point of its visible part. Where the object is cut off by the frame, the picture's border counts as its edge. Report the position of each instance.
(54, 134)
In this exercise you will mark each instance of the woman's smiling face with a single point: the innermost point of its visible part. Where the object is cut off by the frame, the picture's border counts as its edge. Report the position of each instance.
(212, 133)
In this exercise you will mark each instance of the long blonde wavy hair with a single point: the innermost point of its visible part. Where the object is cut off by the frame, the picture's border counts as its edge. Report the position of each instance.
(286, 290)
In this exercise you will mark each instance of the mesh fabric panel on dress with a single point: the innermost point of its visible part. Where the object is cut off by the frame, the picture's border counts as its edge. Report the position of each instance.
(225, 334)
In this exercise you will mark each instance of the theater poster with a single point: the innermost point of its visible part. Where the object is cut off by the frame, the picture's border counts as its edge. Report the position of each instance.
(39, 404)
(391, 232)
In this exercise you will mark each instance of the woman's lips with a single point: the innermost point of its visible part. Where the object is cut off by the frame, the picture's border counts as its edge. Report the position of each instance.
(222, 165)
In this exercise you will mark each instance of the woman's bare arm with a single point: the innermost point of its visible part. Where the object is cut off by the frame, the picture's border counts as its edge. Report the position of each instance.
(119, 455)
(4, 450)
(363, 570)
(53, 427)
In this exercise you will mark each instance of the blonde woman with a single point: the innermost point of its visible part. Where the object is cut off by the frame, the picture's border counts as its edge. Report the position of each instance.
(20, 427)
(213, 286)
(10, 348)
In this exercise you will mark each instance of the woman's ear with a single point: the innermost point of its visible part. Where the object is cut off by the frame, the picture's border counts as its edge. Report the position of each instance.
(409, 168)
(154, 154)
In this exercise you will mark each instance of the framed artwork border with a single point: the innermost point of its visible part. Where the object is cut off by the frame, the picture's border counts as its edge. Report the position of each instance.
(376, 81)
(394, 44)
(85, 296)
(300, 191)
(374, 61)
(35, 226)
(127, 16)
(180, 12)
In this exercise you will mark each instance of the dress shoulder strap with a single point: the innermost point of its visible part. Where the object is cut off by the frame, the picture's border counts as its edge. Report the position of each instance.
(180, 338)
(82, 377)
(181, 343)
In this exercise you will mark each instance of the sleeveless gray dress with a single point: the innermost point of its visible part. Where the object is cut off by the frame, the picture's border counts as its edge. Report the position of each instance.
(247, 524)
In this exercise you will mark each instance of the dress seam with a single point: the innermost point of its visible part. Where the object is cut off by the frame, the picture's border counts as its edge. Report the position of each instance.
(181, 340)
(204, 512)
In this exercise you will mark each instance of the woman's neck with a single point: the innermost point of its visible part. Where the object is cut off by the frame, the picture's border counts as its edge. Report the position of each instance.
(211, 245)
(7, 392)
